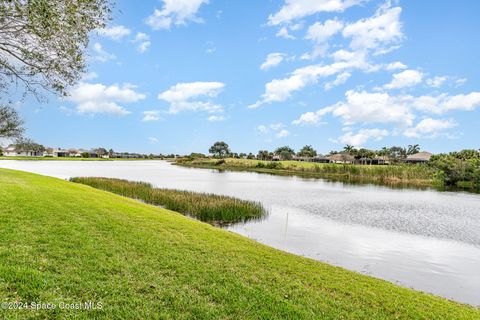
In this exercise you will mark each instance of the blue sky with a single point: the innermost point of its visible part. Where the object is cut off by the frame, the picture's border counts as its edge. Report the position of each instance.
(176, 75)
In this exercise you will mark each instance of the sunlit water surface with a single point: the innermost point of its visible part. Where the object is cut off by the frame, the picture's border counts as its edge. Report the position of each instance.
(426, 240)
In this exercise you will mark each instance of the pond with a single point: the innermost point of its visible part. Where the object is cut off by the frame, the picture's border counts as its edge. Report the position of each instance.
(422, 239)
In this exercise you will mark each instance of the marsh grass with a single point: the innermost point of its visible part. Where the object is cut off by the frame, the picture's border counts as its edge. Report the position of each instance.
(419, 173)
(211, 208)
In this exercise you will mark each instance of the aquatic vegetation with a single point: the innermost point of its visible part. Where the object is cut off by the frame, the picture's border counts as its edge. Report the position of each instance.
(210, 208)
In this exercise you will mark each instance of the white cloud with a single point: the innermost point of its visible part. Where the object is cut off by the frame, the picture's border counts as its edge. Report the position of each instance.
(366, 108)
(277, 128)
(262, 129)
(94, 98)
(193, 96)
(436, 82)
(283, 133)
(101, 54)
(214, 118)
(429, 128)
(320, 33)
(407, 78)
(273, 60)
(312, 118)
(152, 139)
(89, 76)
(283, 33)
(151, 115)
(175, 12)
(379, 32)
(114, 32)
(362, 136)
(279, 90)
(397, 65)
(297, 9)
(341, 79)
(143, 41)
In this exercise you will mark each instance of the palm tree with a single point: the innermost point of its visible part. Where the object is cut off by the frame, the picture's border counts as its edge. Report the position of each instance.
(412, 149)
(348, 148)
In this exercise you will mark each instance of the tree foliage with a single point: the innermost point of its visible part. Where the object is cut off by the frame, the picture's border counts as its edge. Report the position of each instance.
(43, 42)
(11, 124)
(285, 153)
(307, 151)
(219, 149)
(25, 145)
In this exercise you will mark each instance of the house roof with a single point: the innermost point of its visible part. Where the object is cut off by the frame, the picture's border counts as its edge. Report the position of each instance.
(341, 157)
(421, 156)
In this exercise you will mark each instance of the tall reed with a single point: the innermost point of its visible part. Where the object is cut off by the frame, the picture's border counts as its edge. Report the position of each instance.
(211, 208)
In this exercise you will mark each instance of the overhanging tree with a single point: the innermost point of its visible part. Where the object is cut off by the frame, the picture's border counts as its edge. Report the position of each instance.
(11, 124)
(42, 42)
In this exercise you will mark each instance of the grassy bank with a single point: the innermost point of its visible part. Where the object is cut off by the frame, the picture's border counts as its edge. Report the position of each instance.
(210, 208)
(70, 159)
(413, 175)
(67, 242)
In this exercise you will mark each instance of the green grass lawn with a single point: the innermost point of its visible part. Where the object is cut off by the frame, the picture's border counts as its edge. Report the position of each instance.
(70, 158)
(66, 242)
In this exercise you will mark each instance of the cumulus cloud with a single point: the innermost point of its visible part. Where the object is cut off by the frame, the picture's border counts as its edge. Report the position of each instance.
(380, 32)
(276, 128)
(281, 89)
(436, 82)
(340, 79)
(193, 96)
(151, 115)
(94, 98)
(364, 107)
(214, 118)
(297, 9)
(152, 139)
(313, 118)
(320, 33)
(114, 32)
(284, 33)
(142, 40)
(429, 128)
(283, 133)
(273, 60)
(175, 12)
(397, 65)
(407, 78)
(362, 136)
(101, 54)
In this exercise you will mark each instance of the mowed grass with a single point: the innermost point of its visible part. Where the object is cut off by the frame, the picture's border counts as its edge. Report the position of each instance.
(67, 242)
(70, 158)
(414, 174)
(211, 208)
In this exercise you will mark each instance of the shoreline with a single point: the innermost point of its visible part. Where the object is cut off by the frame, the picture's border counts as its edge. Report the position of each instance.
(118, 232)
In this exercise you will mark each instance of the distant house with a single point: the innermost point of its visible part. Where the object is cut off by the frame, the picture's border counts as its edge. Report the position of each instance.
(276, 158)
(11, 151)
(57, 152)
(421, 157)
(341, 158)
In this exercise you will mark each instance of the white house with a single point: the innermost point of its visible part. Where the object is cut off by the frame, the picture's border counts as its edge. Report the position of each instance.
(11, 151)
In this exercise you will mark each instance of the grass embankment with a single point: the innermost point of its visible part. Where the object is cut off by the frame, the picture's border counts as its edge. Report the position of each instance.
(210, 208)
(414, 175)
(53, 158)
(71, 158)
(67, 242)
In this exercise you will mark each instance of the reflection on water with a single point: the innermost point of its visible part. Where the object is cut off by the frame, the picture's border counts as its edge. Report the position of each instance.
(426, 240)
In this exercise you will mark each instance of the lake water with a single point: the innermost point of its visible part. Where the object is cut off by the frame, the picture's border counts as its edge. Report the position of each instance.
(426, 240)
